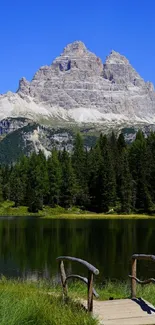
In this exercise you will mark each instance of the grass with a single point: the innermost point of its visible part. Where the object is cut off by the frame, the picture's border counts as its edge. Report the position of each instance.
(40, 303)
(25, 304)
(110, 290)
(7, 209)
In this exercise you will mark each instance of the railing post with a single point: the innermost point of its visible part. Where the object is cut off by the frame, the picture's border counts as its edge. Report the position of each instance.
(133, 281)
(90, 291)
(91, 271)
(63, 279)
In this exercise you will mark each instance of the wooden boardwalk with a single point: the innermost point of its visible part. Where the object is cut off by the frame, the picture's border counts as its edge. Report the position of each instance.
(134, 311)
(123, 312)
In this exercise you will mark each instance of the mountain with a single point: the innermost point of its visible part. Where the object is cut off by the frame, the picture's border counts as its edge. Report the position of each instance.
(78, 88)
(76, 92)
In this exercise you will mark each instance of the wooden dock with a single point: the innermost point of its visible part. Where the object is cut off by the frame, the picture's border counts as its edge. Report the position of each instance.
(135, 311)
(123, 312)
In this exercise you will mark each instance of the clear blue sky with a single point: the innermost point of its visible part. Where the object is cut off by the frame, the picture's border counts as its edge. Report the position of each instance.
(33, 33)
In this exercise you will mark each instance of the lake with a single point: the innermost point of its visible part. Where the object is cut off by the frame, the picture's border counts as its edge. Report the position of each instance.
(29, 246)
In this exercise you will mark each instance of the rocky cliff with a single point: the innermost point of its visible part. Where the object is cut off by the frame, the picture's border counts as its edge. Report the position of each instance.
(78, 88)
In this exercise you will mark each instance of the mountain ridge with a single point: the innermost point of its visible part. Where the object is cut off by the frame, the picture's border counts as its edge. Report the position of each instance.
(77, 92)
(77, 87)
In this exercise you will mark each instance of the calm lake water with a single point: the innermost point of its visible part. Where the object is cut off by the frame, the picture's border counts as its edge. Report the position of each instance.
(29, 246)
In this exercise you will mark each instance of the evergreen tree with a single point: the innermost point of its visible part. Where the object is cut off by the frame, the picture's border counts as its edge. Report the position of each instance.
(16, 187)
(37, 186)
(113, 144)
(105, 180)
(23, 175)
(121, 144)
(151, 164)
(138, 168)
(68, 185)
(79, 162)
(1, 186)
(6, 171)
(125, 184)
(55, 178)
(94, 163)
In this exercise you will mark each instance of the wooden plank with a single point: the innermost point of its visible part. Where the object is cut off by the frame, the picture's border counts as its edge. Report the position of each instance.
(124, 312)
(131, 321)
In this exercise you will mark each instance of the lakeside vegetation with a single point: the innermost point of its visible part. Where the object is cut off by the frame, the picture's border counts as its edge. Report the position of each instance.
(27, 303)
(8, 209)
(41, 303)
(113, 290)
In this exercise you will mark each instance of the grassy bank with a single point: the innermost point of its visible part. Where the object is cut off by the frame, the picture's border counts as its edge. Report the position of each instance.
(112, 290)
(23, 304)
(7, 209)
(41, 303)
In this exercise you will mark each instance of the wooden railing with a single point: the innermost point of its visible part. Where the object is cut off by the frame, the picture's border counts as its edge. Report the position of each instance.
(91, 272)
(133, 276)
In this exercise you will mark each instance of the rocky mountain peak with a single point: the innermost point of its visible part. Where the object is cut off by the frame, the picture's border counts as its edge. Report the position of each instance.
(77, 60)
(78, 88)
(75, 48)
(116, 58)
(118, 70)
(24, 86)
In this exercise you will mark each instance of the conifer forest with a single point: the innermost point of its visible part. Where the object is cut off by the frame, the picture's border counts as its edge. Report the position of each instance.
(111, 176)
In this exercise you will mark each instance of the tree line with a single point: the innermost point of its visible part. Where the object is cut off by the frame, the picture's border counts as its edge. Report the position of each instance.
(112, 176)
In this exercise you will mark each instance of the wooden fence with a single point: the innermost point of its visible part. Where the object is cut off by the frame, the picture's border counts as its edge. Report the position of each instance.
(91, 272)
(133, 276)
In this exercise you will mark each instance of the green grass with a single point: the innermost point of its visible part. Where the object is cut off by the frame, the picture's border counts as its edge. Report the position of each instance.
(7, 209)
(89, 216)
(40, 303)
(118, 290)
(115, 290)
(112, 290)
(25, 304)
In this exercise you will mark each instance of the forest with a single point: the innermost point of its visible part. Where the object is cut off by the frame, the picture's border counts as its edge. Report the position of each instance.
(113, 176)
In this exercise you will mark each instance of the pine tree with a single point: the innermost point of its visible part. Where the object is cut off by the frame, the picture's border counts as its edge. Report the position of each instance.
(117, 157)
(121, 144)
(94, 163)
(16, 187)
(113, 144)
(55, 178)
(23, 175)
(68, 185)
(105, 178)
(125, 184)
(151, 164)
(1, 186)
(79, 163)
(6, 171)
(138, 168)
(37, 186)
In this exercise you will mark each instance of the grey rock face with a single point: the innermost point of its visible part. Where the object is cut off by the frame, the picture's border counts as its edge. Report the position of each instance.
(77, 87)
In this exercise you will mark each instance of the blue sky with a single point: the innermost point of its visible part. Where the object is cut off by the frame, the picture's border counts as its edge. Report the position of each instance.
(34, 32)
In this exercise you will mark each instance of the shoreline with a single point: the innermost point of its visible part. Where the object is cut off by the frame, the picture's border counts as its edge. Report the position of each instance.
(98, 217)
(8, 210)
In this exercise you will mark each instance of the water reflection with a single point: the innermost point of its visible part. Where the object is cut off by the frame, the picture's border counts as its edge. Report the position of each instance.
(29, 247)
